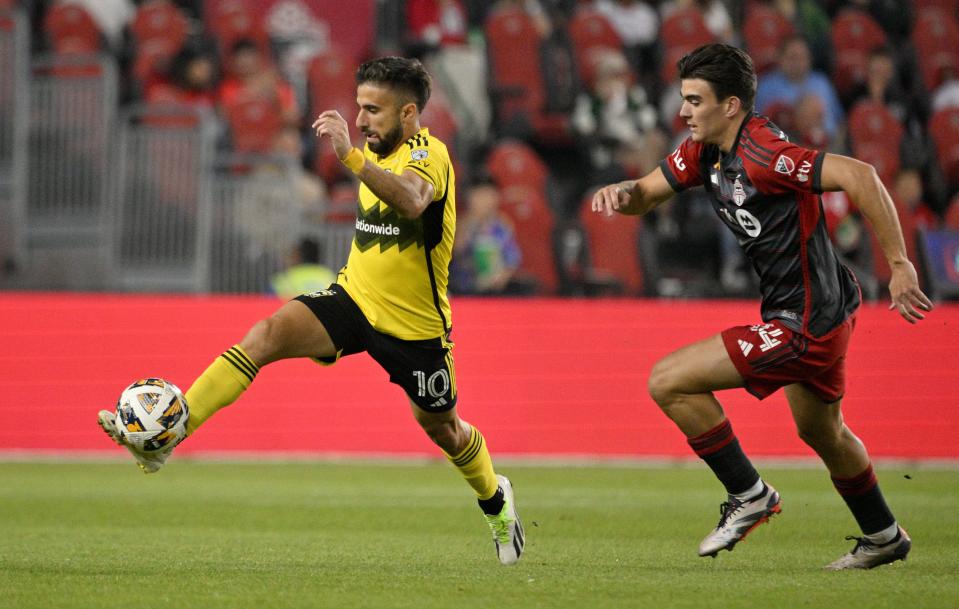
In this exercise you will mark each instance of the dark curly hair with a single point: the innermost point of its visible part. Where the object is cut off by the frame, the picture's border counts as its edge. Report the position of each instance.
(408, 76)
(727, 69)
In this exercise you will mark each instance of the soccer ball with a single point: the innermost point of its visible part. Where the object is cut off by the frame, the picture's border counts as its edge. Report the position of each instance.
(152, 414)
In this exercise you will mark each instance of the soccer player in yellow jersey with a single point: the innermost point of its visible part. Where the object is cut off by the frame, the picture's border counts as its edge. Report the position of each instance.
(389, 300)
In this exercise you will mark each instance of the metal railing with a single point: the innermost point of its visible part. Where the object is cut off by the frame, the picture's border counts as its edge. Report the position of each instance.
(73, 103)
(14, 112)
(161, 228)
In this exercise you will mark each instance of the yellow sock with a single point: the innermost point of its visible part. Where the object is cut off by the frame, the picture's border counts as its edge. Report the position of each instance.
(220, 385)
(476, 466)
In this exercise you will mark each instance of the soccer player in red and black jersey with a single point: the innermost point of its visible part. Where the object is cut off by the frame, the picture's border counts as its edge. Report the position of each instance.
(766, 190)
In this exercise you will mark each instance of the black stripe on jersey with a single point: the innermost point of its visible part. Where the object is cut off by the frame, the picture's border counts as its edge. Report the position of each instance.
(747, 153)
(436, 209)
(417, 140)
(754, 144)
(420, 171)
(752, 149)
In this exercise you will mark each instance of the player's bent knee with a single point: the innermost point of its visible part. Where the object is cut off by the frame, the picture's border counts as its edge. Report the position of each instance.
(263, 343)
(661, 384)
(821, 437)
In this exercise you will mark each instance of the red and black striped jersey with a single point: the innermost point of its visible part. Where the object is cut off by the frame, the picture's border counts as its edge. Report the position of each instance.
(766, 190)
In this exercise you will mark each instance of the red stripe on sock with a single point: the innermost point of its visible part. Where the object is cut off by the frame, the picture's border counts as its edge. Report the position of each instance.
(713, 440)
(857, 485)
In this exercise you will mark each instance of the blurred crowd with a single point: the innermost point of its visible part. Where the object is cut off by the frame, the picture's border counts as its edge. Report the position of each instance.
(541, 101)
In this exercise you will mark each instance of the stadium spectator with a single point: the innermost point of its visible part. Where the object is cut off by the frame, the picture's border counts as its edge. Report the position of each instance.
(250, 74)
(883, 85)
(813, 24)
(432, 24)
(304, 274)
(486, 254)
(914, 214)
(111, 16)
(794, 78)
(714, 12)
(765, 190)
(390, 298)
(192, 80)
(808, 123)
(616, 123)
(637, 23)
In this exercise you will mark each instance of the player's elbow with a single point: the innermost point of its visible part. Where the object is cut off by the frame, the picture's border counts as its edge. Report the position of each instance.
(866, 172)
(411, 202)
(858, 174)
(411, 208)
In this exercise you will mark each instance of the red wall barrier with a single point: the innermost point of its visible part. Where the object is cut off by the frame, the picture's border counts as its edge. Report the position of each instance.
(538, 377)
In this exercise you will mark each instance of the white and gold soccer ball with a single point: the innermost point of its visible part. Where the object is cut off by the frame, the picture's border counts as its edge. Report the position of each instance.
(152, 414)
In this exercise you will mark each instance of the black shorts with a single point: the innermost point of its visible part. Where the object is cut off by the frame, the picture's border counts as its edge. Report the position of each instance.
(423, 368)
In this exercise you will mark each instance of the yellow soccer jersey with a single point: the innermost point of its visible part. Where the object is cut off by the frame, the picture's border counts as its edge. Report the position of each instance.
(398, 268)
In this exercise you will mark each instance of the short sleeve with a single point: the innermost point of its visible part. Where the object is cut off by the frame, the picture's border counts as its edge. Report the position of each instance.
(428, 158)
(682, 167)
(790, 168)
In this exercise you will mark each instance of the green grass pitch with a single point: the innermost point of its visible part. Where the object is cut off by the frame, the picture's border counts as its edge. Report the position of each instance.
(371, 535)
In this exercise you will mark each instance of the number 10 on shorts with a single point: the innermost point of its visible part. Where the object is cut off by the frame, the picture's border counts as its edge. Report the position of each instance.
(437, 384)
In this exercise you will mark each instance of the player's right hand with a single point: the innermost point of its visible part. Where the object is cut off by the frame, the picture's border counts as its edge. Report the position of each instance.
(330, 124)
(614, 197)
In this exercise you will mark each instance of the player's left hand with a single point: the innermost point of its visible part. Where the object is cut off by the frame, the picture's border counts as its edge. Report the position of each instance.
(330, 124)
(906, 296)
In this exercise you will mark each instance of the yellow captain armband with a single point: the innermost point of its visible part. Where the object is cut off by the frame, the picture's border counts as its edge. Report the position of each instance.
(354, 160)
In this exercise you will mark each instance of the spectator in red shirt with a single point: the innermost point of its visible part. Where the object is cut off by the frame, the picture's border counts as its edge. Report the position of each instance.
(251, 74)
(432, 24)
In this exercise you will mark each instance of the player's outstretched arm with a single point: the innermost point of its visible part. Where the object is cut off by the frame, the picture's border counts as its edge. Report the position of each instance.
(407, 193)
(633, 197)
(860, 181)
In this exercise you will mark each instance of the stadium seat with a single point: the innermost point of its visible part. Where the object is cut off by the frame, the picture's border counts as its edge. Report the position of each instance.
(935, 37)
(613, 245)
(70, 29)
(681, 32)
(254, 123)
(764, 29)
(521, 177)
(331, 77)
(944, 130)
(590, 30)
(439, 119)
(876, 136)
(854, 35)
(159, 31)
(517, 83)
(513, 162)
